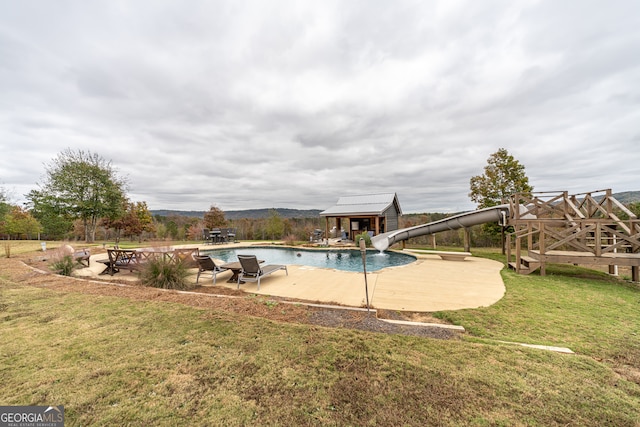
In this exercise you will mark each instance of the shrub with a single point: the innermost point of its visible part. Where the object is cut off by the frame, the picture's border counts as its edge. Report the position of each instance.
(64, 265)
(290, 240)
(161, 273)
(366, 237)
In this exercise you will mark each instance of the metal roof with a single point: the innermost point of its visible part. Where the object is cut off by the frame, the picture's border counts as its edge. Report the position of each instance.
(365, 204)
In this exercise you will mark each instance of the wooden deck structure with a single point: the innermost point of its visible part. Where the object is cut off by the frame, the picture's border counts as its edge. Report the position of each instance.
(588, 228)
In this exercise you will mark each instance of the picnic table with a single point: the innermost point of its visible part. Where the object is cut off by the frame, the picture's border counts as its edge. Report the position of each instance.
(120, 258)
(135, 259)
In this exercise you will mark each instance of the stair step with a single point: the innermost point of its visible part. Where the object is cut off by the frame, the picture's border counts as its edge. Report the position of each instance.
(525, 268)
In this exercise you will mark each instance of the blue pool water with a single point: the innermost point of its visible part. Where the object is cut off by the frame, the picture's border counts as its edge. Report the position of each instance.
(339, 259)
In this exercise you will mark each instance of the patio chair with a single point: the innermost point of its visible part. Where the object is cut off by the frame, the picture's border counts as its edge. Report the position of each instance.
(253, 272)
(206, 236)
(215, 235)
(317, 235)
(205, 263)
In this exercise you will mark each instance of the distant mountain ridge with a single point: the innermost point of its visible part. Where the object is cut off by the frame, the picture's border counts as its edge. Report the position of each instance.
(624, 197)
(248, 213)
(627, 197)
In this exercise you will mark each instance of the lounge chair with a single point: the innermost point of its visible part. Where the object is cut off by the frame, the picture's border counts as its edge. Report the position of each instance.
(205, 263)
(252, 271)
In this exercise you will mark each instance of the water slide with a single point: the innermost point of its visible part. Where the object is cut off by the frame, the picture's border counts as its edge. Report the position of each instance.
(494, 214)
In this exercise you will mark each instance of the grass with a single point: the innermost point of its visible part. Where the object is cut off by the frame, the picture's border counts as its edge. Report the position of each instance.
(112, 361)
(18, 247)
(586, 310)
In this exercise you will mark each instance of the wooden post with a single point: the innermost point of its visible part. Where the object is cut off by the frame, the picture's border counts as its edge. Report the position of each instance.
(467, 240)
(613, 269)
(518, 253)
(433, 241)
(326, 227)
(543, 264)
(598, 238)
(508, 249)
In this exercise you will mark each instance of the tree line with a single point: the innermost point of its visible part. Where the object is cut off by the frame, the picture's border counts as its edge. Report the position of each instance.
(82, 197)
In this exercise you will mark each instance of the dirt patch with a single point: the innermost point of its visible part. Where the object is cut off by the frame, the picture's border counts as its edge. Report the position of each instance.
(28, 271)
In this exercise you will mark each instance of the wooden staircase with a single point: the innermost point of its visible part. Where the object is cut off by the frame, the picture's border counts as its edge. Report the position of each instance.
(527, 265)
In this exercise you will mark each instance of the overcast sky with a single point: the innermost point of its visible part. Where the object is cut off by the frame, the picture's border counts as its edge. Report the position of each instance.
(292, 104)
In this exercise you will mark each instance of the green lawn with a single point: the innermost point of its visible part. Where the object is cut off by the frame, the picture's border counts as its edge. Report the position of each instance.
(114, 361)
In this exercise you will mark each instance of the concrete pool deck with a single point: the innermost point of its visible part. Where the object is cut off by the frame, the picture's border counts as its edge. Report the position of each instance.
(426, 285)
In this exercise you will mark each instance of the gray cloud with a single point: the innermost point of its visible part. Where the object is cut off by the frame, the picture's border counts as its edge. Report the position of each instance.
(290, 104)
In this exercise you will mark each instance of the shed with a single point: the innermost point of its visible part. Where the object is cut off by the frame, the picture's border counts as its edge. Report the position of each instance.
(376, 213)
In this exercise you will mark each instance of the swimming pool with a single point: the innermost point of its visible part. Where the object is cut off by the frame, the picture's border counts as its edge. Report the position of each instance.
(339, 259)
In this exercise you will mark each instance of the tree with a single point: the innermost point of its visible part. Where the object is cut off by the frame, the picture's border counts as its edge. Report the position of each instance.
(138, 219)
(214, 218)
(133, 219)
(117, 219)
(5, 207)
(20, 223)
(275, 225)
(503, 176)
(79, 185)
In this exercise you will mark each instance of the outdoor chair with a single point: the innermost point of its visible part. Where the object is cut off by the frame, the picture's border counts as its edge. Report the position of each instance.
(215, 235)
(224, 235)
(206, 236)
(252, 271)
(205, 263)
(82, 257)
(317, 235)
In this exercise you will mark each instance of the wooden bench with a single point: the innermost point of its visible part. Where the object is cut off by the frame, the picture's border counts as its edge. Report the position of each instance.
(447, 256)
(82, 257)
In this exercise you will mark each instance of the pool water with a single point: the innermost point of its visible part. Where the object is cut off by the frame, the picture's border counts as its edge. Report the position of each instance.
(339, 259)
